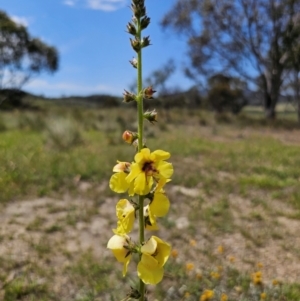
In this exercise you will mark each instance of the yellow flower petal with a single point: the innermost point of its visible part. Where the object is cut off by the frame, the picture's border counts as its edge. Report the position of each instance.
(148, 272)
(126, 216)
(116, 244)
(142, 184)
(118, 183)
(149, 247)
(160, 204)
(165, 169)
(160, 155)
(142, 156)
(134, 172)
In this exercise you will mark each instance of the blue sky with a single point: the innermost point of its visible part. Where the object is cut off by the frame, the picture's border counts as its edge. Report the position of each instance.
(93, 45)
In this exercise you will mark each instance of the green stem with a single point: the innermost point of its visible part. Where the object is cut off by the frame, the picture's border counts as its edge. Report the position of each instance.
(140, 116)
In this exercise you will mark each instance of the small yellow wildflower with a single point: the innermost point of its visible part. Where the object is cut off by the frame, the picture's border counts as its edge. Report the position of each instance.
(174, 253)
(257, 278)
(259, 265)
(215, 275)
(207, 295)
(189, 266)
(199, 276)
(187, 295)
(231, 259)
(155, 253)
(193, 243)
(224, 297)
(275, 282)
(220, 249)
(263, 296)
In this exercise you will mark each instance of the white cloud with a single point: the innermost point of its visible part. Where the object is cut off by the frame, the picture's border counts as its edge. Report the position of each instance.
(69, 2)
(106, 5)
(39, 86)
(20, 20)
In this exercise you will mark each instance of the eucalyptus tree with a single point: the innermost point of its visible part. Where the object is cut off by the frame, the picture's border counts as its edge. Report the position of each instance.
(22, 56)
(238, 37)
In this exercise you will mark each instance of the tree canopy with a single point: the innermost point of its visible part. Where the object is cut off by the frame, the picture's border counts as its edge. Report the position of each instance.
(248, 38)
(22, 56)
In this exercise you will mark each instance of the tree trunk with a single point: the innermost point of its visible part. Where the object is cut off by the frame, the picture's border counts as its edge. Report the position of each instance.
(269, 106)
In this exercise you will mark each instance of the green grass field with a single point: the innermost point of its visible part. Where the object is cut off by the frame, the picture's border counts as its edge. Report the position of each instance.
(235, 207)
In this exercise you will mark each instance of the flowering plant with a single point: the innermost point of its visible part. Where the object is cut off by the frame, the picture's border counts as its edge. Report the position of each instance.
(143, 179)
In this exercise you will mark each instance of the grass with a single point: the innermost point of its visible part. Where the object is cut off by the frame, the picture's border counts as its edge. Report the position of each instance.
(236, 184)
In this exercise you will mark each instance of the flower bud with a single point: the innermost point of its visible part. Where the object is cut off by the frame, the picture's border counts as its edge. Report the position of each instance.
(129, 137)
(151, 116)
(122, 167)
(138, 9)
(145, 42)
(145, 21)
(148, 92)
(128, 96)
(134, 62)
(131, 28)
(136, 44)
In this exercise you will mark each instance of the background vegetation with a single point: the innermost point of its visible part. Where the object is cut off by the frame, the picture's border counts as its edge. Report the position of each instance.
(235, 192)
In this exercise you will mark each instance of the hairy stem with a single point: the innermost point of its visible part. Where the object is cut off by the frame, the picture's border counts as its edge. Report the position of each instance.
(140, 116)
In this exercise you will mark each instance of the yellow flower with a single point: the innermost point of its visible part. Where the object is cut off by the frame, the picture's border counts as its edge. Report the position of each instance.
(189, 266)
(220, 249)
(155, 253)
(147, 168)
(187, 295)
(118, 244)
(224, 297)
(275, 282)
(215, 275)
(126, 215)
(257, 278)
(231, 258)
(263, 296)
(117, 182)
(259, 265)
(174, 253)
(193, 242)
(207, 295)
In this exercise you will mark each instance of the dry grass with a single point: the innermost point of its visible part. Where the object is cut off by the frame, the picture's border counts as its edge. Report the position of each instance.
(236, 185)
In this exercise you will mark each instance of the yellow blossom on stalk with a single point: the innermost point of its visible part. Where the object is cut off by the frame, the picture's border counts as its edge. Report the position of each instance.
(224, 297)
(147, 168)
(155, 253)
(118, 244)
(126, 216)
(207, 295)
(117, 182)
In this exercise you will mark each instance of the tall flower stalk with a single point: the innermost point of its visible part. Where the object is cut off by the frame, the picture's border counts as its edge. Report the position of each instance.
(143, 179)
